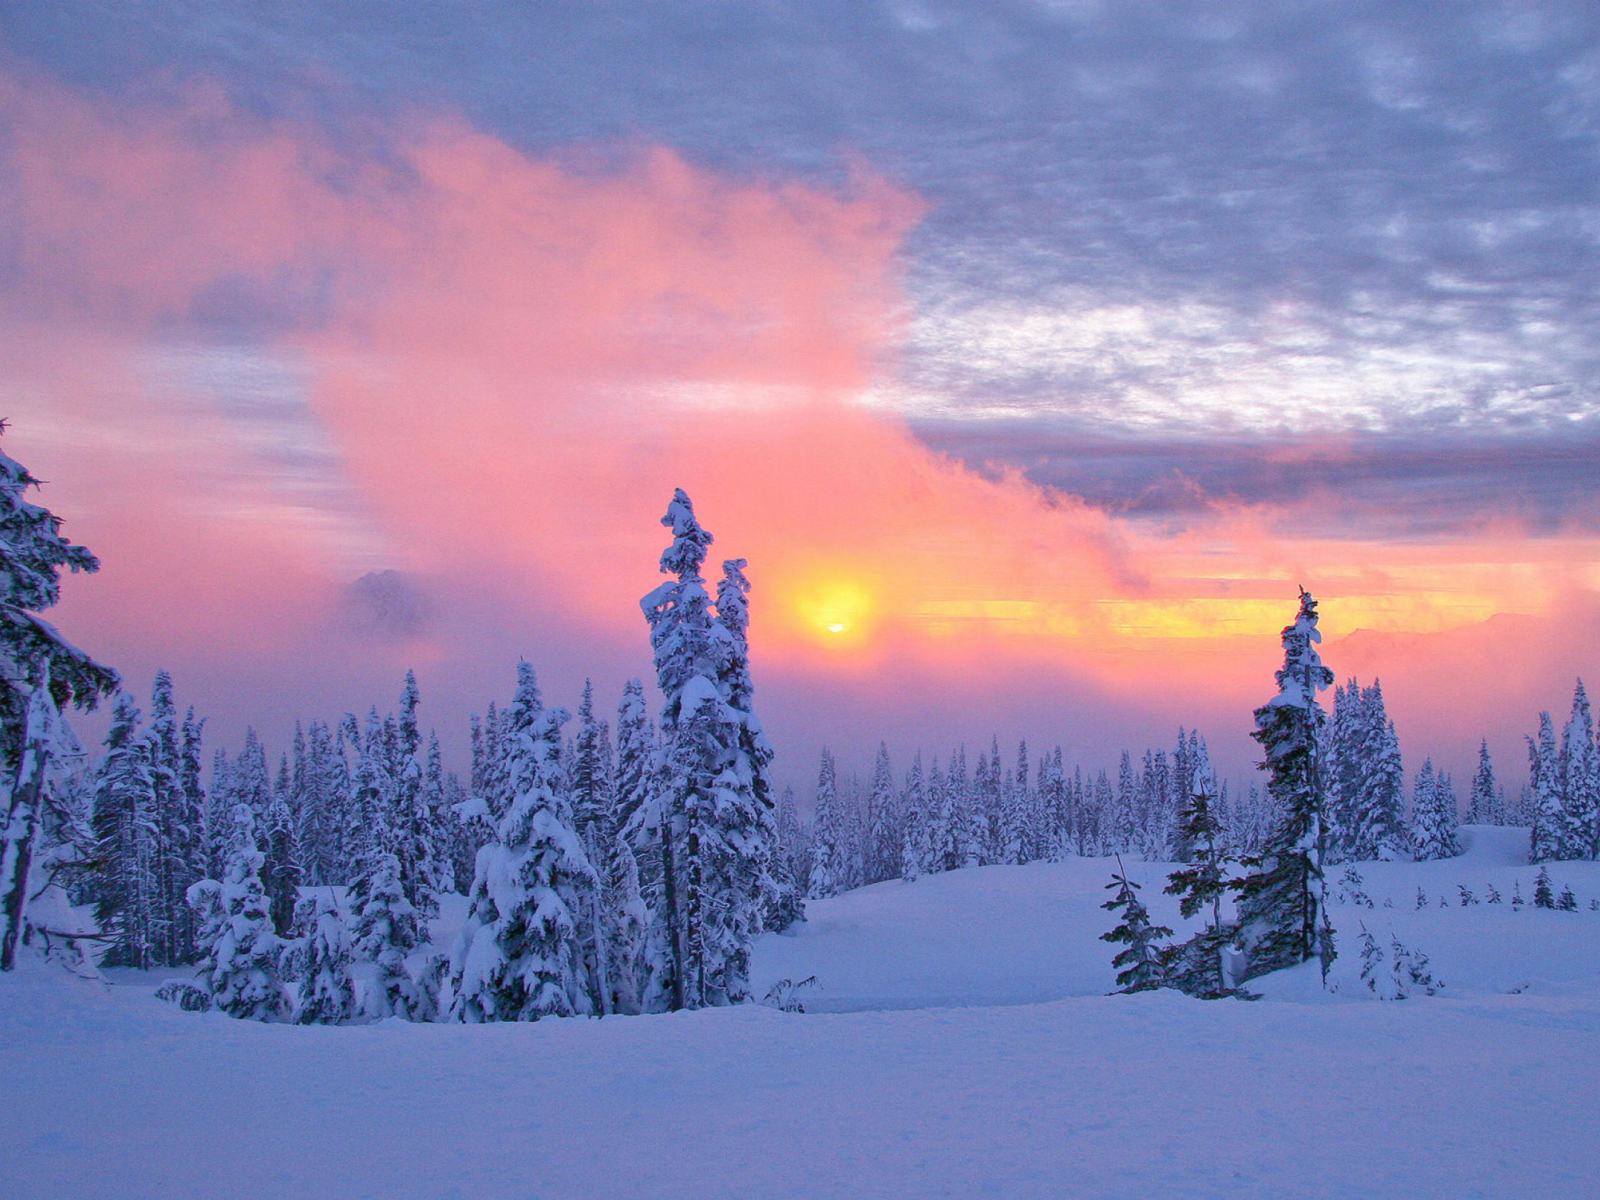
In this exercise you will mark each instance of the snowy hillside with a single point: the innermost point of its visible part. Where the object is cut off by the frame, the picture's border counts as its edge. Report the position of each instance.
(1022, 935)
(974, 1087)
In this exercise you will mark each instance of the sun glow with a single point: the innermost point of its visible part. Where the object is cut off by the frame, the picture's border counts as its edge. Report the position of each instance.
(838, 611)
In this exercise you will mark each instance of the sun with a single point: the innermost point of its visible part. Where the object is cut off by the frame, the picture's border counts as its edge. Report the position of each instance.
(835, 610)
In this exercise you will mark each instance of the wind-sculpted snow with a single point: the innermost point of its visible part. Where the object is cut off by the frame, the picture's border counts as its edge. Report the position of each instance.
(1482, 1090)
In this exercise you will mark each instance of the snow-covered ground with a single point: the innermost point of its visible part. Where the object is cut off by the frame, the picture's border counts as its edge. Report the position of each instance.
(1036, 1086)
(1022, 935)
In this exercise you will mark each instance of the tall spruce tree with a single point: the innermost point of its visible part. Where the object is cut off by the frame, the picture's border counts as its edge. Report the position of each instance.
(827, 853)
(40, 673)
(1580, 780)
(678, 615)
(1484, 805)
(884, 837)
(1548, 836)
(755, 894)
(1282, 901)
(127, 838)
(916, 852)
(590, 783)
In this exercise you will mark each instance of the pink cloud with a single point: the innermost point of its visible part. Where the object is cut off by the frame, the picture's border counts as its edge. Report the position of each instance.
(516, 360)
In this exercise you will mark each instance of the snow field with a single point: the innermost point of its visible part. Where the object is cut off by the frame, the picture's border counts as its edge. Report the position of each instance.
(1025, 935)
(995, 1067)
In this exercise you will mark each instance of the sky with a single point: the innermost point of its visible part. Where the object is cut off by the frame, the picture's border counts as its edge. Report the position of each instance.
(1033, 354)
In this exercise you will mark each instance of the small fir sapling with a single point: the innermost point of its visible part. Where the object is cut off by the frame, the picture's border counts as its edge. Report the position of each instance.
(1466, 895)
(785, 994)
(1411, 968)
(1352, 887)
(1568, 902)
(1444, 901)
(1493, 895)
(1594, 906)
(1139, 967)
(1371, 959)
(1516, 894)
(1543, 897)
(1422, 898)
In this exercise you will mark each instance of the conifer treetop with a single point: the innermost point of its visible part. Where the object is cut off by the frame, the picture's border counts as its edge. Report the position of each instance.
(1302, 675)
(689, 541)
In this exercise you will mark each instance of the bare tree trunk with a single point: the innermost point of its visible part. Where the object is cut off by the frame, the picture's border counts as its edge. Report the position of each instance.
(16, 857)
(674, 924)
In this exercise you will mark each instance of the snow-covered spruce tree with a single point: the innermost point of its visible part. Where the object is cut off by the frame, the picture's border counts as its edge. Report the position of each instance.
(1547, 839)
(1139, 967)
(415, 842)
(1196, 967)
(1379, 828)
(749, 804)
(1054, 813)
(640, 818)
(281, 874)
(883, 850)
(915, 851)
(1344, 763)
(250, 781)
(40, 673)
(591, 787)
(1124, 823)
(1483, 805)
(1433, 817)
(239, 962)
(827, 838)
(445, 829)
(178, 828)
(1156, 808)
(679, 617)
(1282, 913)
(326, 993)
(127, 890)
(517, 956)
(1580, 780)
(1015, 840)
(385, 928)
(794, 843)
(1197, 779)
(718, 822)
(318, 788)
(1543, 895)
(937, 820)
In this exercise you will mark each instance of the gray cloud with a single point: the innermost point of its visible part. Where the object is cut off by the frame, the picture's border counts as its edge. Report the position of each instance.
(1166, 221)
